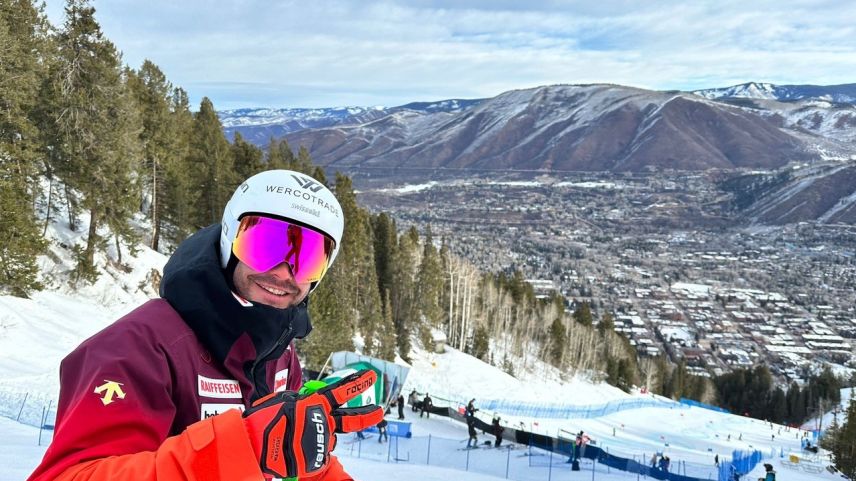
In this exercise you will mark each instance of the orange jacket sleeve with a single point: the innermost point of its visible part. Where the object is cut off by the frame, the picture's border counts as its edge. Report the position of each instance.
(216, 449)
(334, 472)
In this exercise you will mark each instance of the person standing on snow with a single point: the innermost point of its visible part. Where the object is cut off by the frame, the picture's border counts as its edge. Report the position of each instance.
(202, 383)
(400, 402)
(497, 432)
(584, 440)
(471, 430)
(414, 400)
(427, 403)
(664, 464)
(381, 431)
(470, 410)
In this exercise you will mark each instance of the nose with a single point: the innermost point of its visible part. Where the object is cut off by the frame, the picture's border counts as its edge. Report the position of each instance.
(283, 270)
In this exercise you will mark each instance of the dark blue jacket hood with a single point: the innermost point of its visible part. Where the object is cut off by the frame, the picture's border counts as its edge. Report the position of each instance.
(198, 289)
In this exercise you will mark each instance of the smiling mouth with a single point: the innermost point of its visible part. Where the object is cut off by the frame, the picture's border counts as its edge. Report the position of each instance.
(274, 290)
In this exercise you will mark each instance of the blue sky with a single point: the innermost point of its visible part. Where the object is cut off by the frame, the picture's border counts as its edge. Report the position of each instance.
(270, 53)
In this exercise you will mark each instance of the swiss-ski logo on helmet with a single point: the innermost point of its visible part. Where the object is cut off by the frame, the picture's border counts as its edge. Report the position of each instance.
(308, 183)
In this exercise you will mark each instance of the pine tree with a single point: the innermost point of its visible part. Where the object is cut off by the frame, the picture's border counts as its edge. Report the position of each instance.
(319, 175)
(795, 404)
(403, 291)
(606, 324)
(430, 283)
(557, 341)
(273, 156)
(582, 314)
(23, 61)
(246, 157)
(386, 334)
(844, 445)
(179, 195)
(303, 162)
(626, 373)
(611, 371)
(97, 123)
(778, 411)
(332, 319)
(287, 154)
(481, 342)
(211, 158)
(360, 290)
(385, 240)
(153, 95)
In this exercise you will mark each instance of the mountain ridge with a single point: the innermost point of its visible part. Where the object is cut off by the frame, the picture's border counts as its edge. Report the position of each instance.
(564, 127)
(842, 93)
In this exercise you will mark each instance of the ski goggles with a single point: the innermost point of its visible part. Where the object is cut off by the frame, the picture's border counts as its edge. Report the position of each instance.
(263, 243)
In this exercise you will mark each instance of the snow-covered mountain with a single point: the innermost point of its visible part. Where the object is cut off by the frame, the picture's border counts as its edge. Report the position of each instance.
(823, 192)
(845, 93)
(825, 119)
(573, 128)
(258, 125)
(564, 128)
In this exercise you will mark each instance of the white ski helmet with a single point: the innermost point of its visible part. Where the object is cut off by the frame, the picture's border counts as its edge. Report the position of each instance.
(284, 194)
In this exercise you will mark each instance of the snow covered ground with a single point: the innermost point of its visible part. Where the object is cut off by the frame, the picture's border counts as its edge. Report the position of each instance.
(411, 458)
(35, 334)
(690, 436)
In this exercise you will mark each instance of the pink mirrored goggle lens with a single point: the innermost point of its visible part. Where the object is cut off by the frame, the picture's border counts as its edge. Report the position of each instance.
(263, 243)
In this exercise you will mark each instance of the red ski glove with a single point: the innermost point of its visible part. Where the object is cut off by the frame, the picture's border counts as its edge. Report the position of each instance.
(292, 434)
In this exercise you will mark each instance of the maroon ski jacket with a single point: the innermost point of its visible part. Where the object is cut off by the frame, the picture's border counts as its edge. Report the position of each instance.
(194, 358)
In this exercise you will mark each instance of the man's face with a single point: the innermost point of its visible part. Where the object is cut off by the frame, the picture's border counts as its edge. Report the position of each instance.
(275, 288)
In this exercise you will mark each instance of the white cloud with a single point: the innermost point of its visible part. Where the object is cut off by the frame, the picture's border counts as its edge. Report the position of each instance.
(275, 53)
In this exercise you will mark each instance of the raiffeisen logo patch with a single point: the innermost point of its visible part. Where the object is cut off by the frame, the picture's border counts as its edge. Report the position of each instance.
(218, 388)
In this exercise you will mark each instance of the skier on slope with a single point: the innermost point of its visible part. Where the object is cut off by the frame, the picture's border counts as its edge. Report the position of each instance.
(471, 430)
(470, 410)
(497, 431)
(201, 384)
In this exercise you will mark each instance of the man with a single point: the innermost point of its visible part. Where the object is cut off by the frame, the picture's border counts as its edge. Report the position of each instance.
(400, 402)
(427, 403)
(769, 473)
(473, 440)
(201, 384)
(497, 432)
(470, 410)
(414, 401)
(381, 431)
